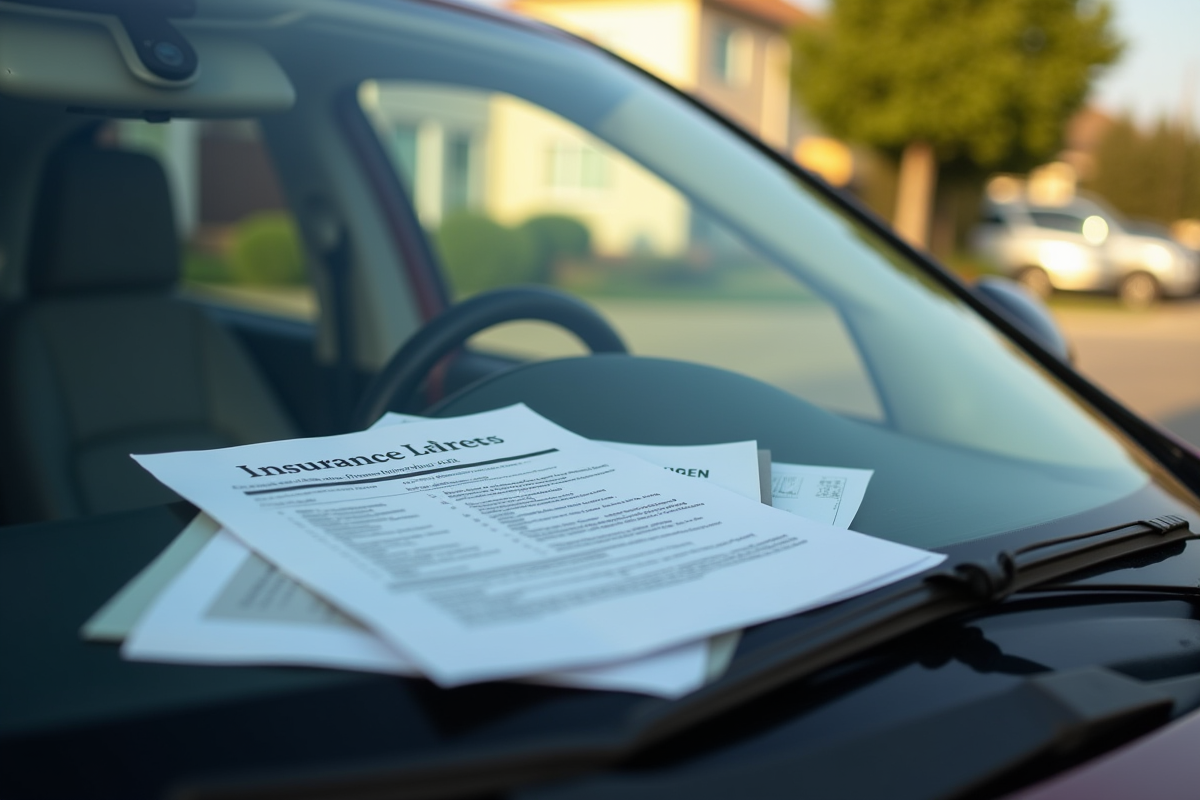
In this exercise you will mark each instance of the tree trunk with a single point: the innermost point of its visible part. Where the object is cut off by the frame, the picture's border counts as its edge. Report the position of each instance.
(914, 196)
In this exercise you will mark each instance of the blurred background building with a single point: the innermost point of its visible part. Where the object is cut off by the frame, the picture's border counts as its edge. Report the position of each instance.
(733, 54)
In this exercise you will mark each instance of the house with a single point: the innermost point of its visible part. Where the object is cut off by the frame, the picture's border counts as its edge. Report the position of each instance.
(500, 155)
(733, 54)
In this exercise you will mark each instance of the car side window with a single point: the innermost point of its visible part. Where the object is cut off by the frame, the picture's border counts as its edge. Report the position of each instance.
(240, 246)
(1057, 221)
(510, 192)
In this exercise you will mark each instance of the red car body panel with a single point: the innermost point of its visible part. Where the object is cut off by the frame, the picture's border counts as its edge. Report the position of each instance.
(1163, 765)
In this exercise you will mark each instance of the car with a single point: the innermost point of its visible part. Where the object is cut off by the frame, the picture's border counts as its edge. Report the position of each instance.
(1083, 246)
(234, 221)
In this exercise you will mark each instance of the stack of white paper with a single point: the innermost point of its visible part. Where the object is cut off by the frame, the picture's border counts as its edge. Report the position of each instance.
(500, 545)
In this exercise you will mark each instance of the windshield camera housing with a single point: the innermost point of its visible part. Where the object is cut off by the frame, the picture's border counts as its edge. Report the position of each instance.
(161, 48)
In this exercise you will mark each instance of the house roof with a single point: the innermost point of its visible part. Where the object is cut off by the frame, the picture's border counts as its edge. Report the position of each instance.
(776, 12)
(779, 13)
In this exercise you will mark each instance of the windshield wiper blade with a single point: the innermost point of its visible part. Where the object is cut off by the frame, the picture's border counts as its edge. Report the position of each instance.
(1037, 563)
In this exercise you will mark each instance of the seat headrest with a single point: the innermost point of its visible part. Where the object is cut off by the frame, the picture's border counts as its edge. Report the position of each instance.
(104, 223)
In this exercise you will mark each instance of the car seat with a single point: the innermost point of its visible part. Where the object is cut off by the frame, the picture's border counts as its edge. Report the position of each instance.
(101, 359)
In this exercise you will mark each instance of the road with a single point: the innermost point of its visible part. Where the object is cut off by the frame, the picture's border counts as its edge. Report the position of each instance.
(1150, 361)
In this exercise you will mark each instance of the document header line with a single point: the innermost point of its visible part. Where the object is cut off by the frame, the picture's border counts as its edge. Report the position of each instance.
(323, 484)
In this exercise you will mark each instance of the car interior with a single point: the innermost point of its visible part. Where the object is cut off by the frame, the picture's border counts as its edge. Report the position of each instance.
(103, 356)
(103, 359)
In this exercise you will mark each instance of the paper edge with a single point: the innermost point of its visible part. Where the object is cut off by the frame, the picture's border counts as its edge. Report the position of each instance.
(116, 618)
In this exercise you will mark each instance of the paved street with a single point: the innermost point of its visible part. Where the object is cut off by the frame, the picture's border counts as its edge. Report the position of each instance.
(1150, 361)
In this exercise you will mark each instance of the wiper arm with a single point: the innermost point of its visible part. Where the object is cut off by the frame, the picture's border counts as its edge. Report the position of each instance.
(889, 613)
(963, 588)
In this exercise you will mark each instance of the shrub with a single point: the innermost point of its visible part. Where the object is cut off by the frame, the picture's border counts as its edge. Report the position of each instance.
(479, 253)
(667, 271)
(202, 267)
(266, 251)
(556, 237)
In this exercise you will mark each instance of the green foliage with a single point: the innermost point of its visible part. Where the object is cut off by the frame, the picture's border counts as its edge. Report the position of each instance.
(555, 238)
(480, 254)
(201, 267)
(1152, 174)
(266, 251)
(677, 280)
(987, 82)
(667, 272)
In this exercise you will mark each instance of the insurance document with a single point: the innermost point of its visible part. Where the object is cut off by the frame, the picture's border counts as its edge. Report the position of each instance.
(500, 545)
(228, 606)
(231, 607)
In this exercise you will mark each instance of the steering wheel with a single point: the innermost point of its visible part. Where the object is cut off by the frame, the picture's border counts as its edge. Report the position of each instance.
(402, 375)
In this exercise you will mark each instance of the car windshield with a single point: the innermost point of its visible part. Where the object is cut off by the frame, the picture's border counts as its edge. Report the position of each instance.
(698, 247)
(528, 157)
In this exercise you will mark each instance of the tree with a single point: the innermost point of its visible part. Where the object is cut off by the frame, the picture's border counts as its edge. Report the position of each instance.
(1152, 175)
(951, 89)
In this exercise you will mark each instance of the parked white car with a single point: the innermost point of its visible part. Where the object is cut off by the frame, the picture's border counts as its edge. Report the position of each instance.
(1084, 246)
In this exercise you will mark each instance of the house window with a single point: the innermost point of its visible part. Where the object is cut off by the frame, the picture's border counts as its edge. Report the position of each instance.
(732, 55)
(460, 172)
(439, 167)
(404, 151)
(574, 166)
